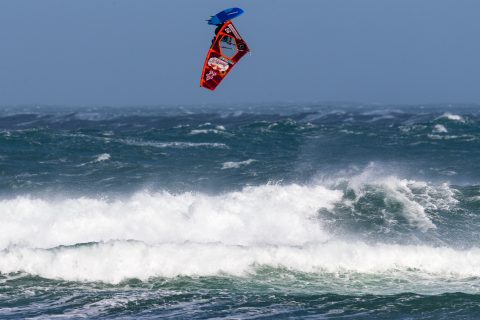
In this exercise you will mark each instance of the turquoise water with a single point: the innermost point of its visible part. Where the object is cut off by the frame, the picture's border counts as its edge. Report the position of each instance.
(291, 211)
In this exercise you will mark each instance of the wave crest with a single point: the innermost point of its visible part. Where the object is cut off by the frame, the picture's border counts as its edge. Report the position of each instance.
(116, 261)
(269, 214)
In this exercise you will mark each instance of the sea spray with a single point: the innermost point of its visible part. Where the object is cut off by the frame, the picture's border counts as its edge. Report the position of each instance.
(269, 214)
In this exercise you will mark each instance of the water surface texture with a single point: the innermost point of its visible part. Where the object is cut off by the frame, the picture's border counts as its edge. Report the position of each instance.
(268, 211)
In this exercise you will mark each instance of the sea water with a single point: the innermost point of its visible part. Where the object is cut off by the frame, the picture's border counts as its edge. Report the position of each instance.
(259, 211)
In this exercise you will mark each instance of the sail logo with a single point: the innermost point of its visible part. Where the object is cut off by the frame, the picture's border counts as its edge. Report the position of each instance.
(218, 64)
(209, 76)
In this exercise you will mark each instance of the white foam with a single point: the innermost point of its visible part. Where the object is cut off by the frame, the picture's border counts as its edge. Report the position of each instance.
(452, 117)
(172, 144)
(269, 214)
(413, 196)
(180, 126)
(108, 133)
(165, 234)
(98, 158)
(463, 137)
(5, 133)
(118, 260)
(102, 157)
(205, 131)
(236, 165)
(440, 128)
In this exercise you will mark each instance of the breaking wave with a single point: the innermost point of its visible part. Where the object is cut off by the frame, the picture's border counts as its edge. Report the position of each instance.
(268, 214)
(452, 117)
(163, 234)
(115, 261)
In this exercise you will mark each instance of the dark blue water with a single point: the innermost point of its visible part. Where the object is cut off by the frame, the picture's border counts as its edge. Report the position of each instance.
(268, 211)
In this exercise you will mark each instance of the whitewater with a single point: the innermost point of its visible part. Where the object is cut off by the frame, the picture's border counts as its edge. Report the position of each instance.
(288, 211)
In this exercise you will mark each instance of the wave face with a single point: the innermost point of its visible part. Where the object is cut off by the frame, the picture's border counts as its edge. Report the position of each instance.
(285, 211)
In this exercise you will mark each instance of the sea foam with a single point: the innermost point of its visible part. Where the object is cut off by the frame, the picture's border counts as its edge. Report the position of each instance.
(162, 234)
(452, 117)
(269, 214)
(115, 261)
(236, 165)
(102, 157)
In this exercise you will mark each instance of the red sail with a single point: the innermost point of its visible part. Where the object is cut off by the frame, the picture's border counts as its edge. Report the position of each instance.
(227, 49)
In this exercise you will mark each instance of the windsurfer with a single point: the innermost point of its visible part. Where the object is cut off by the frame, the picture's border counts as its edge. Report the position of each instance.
(217, 30)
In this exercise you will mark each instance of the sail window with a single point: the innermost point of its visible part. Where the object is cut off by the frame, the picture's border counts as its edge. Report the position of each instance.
(228, 46)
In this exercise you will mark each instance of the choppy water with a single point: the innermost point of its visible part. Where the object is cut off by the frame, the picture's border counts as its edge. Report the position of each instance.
(311, 211)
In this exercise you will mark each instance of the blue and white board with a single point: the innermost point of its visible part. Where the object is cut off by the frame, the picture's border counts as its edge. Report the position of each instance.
(225, 15)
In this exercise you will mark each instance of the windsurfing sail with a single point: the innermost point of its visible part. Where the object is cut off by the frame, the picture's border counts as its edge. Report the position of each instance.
(227, 48)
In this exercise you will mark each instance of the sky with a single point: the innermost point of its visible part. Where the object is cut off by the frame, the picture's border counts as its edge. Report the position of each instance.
(150, 52)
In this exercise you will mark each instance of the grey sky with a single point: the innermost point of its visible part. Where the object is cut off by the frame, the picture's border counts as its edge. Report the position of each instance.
(118, 52)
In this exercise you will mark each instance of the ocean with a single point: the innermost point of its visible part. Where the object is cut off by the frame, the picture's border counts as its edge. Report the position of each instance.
(268, 211)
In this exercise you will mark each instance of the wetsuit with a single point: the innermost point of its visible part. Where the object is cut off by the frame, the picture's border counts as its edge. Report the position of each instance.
(217, 30)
